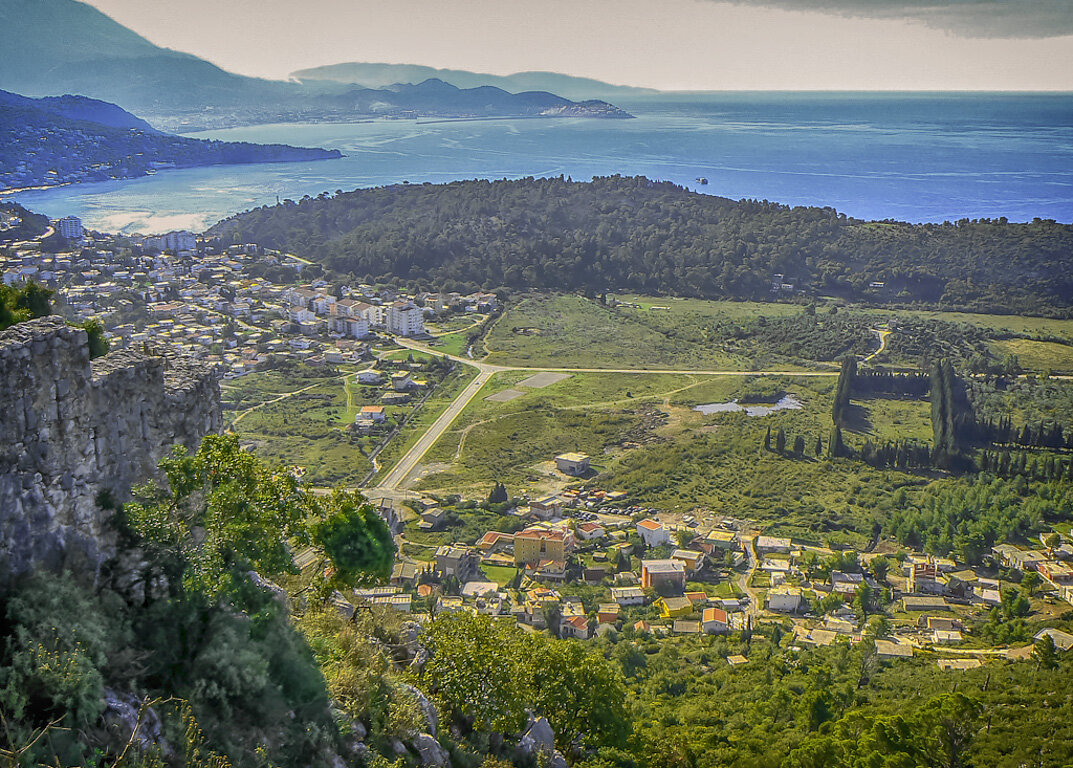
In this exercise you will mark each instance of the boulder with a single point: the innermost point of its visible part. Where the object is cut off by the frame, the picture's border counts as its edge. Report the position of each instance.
(428, 709)
(431, 751)
(538, 739)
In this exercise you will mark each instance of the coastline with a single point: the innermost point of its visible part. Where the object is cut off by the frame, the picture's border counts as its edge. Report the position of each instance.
(39, 188)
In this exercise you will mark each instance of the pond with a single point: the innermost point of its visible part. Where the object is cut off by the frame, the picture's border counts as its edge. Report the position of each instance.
(786, 403)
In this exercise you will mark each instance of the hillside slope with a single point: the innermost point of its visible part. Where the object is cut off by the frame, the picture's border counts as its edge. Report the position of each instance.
(640, 235)
(71, 139)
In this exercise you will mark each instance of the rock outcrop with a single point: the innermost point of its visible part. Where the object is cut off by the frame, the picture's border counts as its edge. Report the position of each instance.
(71, 429)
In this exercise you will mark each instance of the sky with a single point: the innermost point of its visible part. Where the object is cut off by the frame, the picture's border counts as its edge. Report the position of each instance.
(666, 44)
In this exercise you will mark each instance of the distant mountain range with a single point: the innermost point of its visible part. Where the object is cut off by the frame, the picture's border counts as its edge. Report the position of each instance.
(52, 47)
(374, 75)
(70, 139)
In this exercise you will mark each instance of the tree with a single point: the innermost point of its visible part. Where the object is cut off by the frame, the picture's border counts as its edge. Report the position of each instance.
(578, 690)
(355, 538)
(225, 512)
(948, 724)
(799, 445)
(684, 537)
(1044, 653)
(879, 626)
(818, 451)
(498, 494)
(780, 441)
(1030, 583)
(767, 439)
(880, 567)
(472, 671)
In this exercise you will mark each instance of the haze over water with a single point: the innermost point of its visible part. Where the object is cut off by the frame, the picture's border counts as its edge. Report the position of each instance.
(920, 157)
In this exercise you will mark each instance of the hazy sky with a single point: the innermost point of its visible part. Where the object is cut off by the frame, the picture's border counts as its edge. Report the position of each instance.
(670, 44)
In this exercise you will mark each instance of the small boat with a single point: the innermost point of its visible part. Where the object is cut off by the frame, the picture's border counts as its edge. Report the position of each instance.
(701, 180)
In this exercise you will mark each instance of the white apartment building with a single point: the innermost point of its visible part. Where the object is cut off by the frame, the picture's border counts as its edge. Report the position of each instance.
(405, 319)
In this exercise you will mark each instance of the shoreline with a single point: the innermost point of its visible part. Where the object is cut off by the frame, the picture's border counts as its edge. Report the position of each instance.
(39, 188)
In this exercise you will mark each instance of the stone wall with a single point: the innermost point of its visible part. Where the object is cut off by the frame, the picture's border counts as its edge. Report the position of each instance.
(70, 428)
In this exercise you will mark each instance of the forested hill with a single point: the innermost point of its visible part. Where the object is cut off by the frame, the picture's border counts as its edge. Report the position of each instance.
(71, 139)
(639, 235)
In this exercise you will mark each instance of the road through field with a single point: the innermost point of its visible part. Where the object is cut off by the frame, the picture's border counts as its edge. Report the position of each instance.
(394, 479)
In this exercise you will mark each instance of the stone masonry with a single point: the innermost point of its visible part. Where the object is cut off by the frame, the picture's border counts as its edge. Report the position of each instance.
(71, 428)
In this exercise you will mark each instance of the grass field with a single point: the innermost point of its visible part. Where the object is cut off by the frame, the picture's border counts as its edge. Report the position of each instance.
(571, 331)
(665, 454)
(1038, 355)
(304, 429)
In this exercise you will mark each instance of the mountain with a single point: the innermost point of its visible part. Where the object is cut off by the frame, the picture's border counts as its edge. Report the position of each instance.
(435, 98)
(50, 47)
(643, 236)
(375, 75)
(63, 46)
(69, 139)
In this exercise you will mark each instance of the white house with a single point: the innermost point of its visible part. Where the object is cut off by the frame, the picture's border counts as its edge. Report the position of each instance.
(715, 621)
(785, 599)
(652, 533)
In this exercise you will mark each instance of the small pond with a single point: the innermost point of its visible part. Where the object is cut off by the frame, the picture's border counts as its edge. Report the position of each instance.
(787, 403)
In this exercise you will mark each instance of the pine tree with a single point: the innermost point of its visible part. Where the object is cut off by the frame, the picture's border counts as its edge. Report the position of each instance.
(767, 440)
(780, 441)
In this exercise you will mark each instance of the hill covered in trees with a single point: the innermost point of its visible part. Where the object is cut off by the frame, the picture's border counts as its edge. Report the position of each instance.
(72, 139)
(635, 234)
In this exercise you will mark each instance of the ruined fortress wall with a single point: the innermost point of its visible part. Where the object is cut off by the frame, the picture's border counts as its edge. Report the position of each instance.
(70, 428)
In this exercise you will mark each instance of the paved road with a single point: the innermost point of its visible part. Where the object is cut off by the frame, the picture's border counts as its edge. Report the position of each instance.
(408, 462)
(398, 474)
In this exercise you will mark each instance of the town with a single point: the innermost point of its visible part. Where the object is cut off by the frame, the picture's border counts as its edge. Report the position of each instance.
(579, 563)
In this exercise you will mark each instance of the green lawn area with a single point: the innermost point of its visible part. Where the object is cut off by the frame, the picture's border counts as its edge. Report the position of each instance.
(501, 575)
(1015, 323)
(1037, 355)
(889, 419)
(674, 458)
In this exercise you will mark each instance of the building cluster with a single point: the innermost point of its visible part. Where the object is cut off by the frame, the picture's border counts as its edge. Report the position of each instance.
(216, 302)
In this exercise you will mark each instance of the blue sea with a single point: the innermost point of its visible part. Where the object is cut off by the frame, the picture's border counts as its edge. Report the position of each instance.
(911, 157)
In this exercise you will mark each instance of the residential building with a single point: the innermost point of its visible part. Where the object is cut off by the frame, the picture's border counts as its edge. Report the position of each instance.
(547, 508)
(785, 599)
(534, 545)
(674, 607)
(691, 559)
(926, 603)
(590, 531)
(69, 228)
(608, 613)
(663, 573)
(722, 541)
(405, 318)
(715, 621)
(628, 596)
(373, 414)
(457, 561)
(1063, 641)
(924, 578)
(653, 533)
(574, 464)
(574, 626)
(769, 544)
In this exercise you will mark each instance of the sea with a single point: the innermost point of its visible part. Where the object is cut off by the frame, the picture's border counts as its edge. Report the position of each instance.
(919, 157)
